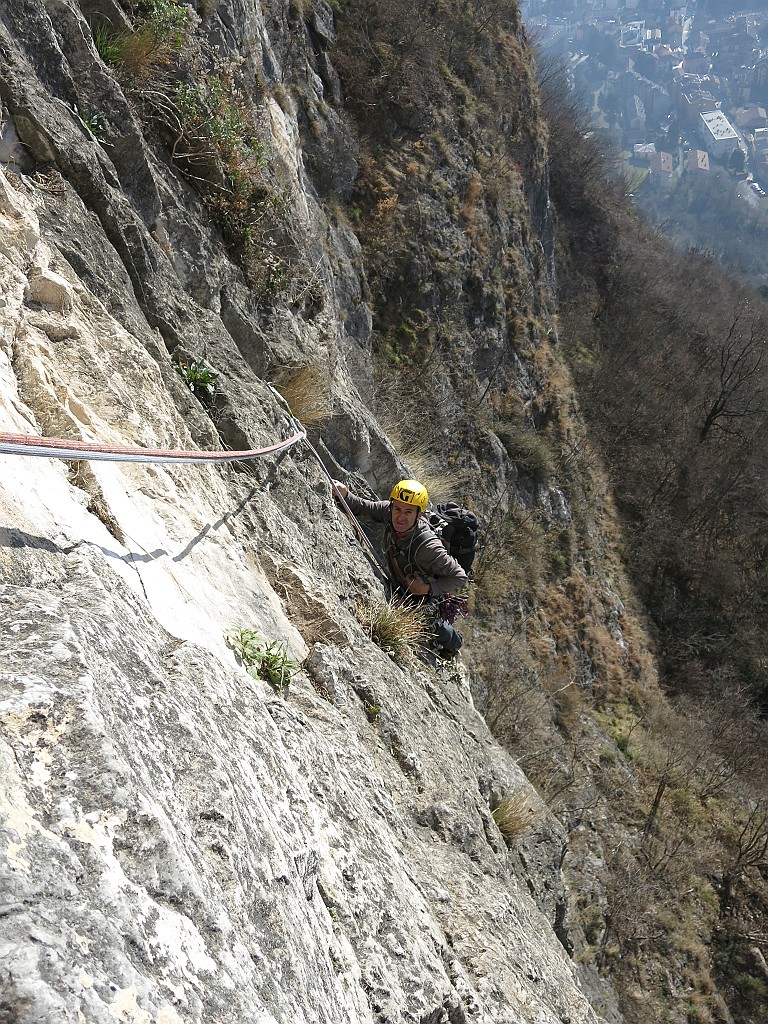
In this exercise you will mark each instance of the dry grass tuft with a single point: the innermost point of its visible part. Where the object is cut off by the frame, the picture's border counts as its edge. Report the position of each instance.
(162, 30)
(421, 453)
(307, 390)
(141, 53)
(419, 456)
(514, 816)
(395, 626)
(530, 450)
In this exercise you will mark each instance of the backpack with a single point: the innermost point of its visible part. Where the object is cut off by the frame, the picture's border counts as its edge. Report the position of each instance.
(457, 528)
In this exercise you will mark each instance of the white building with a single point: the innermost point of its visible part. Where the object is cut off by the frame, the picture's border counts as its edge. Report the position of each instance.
(719, 135)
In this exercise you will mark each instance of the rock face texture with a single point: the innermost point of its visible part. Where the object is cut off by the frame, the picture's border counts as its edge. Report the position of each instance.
(177, 841)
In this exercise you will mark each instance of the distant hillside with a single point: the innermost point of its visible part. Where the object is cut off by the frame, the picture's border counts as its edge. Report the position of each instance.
(669, 356)
(709, 213)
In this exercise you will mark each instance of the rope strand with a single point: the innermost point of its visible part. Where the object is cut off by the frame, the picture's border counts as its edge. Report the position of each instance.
(61, 448)
(347, 510)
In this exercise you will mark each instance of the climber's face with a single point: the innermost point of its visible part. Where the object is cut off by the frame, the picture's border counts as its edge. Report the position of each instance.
(404, 516)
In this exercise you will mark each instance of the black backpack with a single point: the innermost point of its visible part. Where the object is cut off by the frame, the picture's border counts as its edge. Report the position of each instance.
(457, 528)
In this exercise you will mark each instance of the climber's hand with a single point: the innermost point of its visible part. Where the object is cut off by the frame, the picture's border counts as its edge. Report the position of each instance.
(418, 586)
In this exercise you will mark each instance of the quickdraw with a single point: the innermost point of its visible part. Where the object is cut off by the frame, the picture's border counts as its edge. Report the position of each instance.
(451, 606)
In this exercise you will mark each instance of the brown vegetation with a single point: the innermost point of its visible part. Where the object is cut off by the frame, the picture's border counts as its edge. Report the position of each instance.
(668, 355)
(668, 372)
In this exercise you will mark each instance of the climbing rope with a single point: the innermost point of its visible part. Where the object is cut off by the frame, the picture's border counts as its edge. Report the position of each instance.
(345, 507)
(61, 448)
(349, 514)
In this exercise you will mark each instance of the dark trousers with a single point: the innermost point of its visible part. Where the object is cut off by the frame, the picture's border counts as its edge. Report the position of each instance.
(450, 639)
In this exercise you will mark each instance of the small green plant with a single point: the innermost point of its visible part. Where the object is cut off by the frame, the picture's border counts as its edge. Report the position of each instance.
(219, 148)
(372, 712)
(109, 44)
(397, 627)
(262, 659)
(93, 123)
(167, 20)
(200, 380)
(216, 125)
(514, 816)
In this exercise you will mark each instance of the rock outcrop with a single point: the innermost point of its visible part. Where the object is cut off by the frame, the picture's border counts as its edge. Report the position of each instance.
(179, 842)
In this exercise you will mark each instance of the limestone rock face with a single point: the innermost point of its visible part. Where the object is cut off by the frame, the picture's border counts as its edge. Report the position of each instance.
(178, 842)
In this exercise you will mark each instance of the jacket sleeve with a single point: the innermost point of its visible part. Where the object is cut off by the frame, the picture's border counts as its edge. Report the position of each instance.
(378, 511)
(443, 572)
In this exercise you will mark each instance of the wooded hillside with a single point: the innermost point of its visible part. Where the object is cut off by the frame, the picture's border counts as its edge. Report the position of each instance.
(669, 373)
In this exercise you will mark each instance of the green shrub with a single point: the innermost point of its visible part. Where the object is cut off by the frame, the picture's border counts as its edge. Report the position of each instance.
(263, 659)
(167, 20)
(217, 147)
(199, 379)
(213, 118)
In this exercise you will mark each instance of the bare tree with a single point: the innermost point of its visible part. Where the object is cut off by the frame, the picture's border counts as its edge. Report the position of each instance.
(737, 391)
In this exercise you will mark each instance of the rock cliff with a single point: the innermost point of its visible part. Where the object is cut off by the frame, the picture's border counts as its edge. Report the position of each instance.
(179, 842)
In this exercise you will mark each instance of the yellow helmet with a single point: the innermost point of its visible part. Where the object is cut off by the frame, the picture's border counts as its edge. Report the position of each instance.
(411, 492)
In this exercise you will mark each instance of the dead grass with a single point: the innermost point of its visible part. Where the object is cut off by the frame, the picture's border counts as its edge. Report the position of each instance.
(397, 627)
(529, 449)
(307, 390)
(421, 459)
(513, 559)
(509, 693)
(514, 816)
(470, 213)
(564, 698)
(142, 54)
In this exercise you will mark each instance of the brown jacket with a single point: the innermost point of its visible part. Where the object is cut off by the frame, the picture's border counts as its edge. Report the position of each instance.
(420, 553)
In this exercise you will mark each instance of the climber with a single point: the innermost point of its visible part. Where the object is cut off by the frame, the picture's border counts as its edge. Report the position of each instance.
(420, 568)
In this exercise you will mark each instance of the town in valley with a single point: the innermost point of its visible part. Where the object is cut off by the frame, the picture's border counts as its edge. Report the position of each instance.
(682, 91)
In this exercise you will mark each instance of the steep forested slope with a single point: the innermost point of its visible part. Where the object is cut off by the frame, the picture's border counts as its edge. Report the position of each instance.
(670, 372)
(669, 355)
